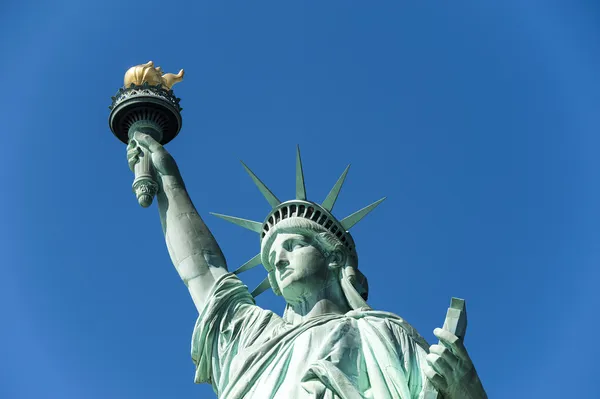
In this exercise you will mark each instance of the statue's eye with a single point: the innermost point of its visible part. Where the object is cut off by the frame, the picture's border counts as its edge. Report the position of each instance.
(297, 245)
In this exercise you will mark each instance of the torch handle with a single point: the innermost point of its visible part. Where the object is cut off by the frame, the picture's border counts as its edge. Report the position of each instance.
(144, 186)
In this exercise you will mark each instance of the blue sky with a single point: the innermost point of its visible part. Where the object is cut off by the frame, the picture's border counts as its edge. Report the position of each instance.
(478, 120)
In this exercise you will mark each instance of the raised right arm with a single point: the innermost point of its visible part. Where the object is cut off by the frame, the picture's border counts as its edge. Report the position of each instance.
(192, 247)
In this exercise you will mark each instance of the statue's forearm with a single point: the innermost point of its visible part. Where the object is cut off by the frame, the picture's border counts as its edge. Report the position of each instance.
(194, 251)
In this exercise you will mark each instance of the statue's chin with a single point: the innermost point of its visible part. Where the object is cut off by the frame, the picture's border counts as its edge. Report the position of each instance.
(291, 290)
(287, 289)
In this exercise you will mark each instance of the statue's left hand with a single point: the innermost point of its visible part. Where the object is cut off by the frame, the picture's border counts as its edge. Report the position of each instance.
(450, 369)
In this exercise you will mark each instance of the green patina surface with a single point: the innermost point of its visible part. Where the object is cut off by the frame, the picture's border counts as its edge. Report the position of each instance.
(328, 343)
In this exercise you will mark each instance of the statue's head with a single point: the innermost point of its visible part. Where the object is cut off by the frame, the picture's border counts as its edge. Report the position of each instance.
(302, 257)
(304, 247)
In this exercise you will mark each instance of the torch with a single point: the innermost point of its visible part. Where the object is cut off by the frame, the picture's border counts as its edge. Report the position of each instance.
(146, 104)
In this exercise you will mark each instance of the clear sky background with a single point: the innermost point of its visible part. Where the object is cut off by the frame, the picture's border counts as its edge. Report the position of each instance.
(477, 119)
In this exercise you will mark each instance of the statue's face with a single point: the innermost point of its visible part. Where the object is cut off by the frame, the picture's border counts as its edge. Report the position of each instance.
(300, 267)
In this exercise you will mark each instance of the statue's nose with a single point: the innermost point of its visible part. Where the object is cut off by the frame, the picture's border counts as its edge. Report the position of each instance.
(281, 261)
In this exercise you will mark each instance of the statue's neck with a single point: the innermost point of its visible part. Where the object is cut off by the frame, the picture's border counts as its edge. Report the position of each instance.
(328, 300)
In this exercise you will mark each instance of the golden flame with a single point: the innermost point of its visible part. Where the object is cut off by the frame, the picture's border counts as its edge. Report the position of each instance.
(140, 74)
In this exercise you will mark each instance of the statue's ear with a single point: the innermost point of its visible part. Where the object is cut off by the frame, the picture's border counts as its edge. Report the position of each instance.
(336, 259)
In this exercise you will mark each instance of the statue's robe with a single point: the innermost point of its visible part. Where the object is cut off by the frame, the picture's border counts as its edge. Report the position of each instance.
(245, 351)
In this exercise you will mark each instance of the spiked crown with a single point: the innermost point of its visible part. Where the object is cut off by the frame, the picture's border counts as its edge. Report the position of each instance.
(300, 207)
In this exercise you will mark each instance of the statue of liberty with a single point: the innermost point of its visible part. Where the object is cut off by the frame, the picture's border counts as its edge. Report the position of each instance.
(329, 344)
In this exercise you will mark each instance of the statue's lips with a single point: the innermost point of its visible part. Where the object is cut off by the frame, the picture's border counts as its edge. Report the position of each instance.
(286, 272)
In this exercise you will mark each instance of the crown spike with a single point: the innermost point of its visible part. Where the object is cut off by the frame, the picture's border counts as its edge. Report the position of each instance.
(356, 217)
(335, 191)
(249, 265)
(262, 287)
(271, 198)
(245, 223)
(300, 187)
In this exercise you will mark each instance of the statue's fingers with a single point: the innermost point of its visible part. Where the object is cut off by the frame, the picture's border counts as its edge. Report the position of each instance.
(148, 142)
(132, 161)
(439, 365)
(445, 353)
(452, 342)
(436, 379)
(133, 156)
(131, 144)
(133, 152)
(445, 335)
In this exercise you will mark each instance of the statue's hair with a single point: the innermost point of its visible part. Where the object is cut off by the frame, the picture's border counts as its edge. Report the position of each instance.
(327, 243)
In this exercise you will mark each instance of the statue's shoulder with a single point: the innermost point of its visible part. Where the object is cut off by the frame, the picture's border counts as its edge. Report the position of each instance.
(393, 321)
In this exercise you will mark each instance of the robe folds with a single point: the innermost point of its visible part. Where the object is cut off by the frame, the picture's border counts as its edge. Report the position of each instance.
(248, 352)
